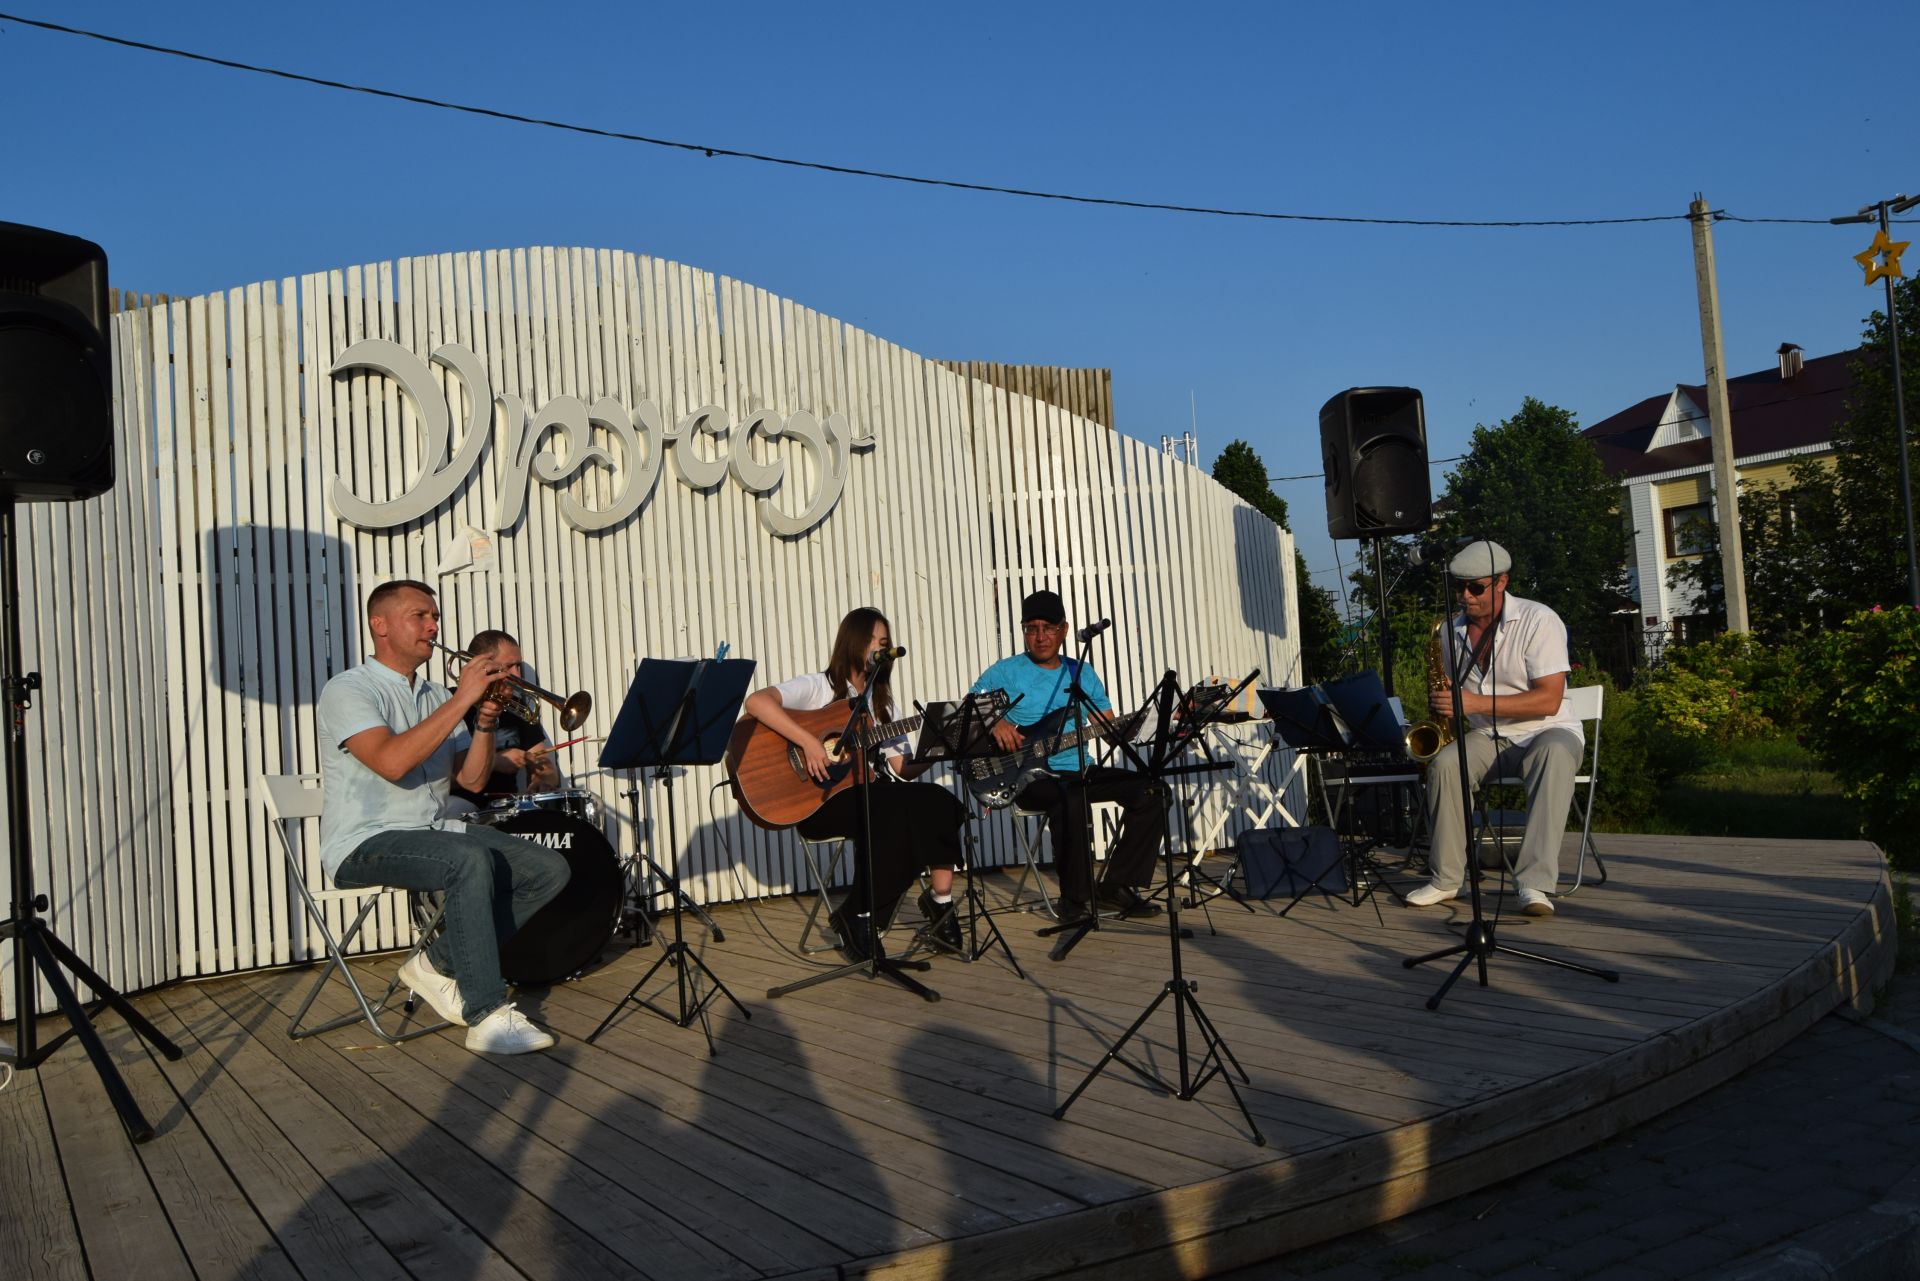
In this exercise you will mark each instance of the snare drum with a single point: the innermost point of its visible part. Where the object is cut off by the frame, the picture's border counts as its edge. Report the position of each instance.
(562, 938)
(573, 803)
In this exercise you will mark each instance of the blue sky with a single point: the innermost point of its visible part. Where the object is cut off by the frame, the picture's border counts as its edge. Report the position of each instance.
(196, 178)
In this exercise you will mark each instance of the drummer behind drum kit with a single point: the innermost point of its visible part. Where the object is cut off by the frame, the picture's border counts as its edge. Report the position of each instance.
(560, 940)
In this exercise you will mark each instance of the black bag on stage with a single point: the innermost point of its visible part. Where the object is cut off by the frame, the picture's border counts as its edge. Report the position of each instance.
(1280, 862)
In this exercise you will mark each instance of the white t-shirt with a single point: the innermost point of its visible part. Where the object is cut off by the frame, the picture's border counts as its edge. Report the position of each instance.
(1529, 643)
(812, 691)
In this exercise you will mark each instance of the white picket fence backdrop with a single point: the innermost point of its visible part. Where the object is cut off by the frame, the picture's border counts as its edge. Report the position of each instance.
(186, 622)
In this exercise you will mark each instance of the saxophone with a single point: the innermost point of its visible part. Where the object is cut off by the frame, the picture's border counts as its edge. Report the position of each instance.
(1426, 739)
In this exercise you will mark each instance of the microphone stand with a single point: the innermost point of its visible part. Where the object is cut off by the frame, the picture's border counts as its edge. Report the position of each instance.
(878, 964)
(1479, 944)
(1071, 932)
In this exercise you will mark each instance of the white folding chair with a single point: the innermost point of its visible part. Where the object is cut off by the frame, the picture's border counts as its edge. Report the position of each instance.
(823, 876)
(1036, 824)
(1586, 702)
(291, 799)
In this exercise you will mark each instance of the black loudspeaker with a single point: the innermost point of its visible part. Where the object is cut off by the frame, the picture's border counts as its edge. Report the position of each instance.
(1373, 441)
(56, 367)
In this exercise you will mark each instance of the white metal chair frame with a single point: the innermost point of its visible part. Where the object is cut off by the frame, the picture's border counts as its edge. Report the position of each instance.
(290, 800)
(822, 878)
(1586, 702)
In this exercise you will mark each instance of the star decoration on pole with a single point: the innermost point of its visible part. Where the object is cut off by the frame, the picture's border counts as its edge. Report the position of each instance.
(1882, 257)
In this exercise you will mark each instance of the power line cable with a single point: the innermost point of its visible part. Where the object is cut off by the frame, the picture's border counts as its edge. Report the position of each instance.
(711, 151)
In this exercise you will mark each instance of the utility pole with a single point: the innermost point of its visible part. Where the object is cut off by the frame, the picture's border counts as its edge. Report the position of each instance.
(1726, 485)
(1883, 260)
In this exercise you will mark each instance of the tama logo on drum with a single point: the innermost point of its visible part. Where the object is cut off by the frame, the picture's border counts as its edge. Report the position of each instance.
(552, 840)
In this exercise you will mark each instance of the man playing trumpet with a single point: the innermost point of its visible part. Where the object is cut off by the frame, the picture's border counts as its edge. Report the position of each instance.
(391, 745)
(519, 740)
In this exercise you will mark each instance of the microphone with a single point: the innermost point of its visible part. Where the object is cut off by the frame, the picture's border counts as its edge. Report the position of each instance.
(1092, 630)
(881, 657)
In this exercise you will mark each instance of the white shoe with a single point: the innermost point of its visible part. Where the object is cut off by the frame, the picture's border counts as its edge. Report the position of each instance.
(507, 1031)
(442, 993)
(1535, 903)
(1430, 894)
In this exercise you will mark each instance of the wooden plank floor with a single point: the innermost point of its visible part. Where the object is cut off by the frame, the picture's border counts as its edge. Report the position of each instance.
(851, 1129)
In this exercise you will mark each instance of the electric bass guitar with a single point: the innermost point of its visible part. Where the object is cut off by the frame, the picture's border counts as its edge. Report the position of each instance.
(769, 771)
(996, 780)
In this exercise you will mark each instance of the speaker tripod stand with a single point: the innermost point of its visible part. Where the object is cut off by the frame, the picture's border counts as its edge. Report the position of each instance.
(37, 950)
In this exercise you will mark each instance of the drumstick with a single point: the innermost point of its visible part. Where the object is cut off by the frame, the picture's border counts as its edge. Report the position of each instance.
(546, 751)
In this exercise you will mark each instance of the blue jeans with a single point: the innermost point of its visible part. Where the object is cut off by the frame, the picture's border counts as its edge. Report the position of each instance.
(493, 883)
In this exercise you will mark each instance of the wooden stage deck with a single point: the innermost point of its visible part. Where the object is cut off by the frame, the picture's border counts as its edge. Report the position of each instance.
(853, 1130)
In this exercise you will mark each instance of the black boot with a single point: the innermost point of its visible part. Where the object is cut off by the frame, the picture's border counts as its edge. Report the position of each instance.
(946, 921)
(855, 931)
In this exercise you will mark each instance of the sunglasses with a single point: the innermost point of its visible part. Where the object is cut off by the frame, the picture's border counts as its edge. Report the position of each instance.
(1477, 588)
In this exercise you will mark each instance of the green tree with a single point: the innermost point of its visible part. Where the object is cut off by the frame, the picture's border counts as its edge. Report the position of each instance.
(1867, 560)
(1240, 470)
(1832, 542)
(1536, 486)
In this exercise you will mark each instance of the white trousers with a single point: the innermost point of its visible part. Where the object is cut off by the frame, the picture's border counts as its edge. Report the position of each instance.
(1547, 762)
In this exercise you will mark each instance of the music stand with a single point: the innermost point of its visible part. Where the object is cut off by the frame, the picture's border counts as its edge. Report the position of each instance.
(1364, 714)
(1179, 722)
(958, 732)
(677, 712)
(1202, 707)
(1307, 721)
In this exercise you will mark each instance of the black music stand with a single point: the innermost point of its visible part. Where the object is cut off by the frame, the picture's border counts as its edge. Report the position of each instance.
(677, 712)
(1355, 710)
(878, 964)
(1179, 722)
(1210, 701)
(963, 731)
(1306, 720)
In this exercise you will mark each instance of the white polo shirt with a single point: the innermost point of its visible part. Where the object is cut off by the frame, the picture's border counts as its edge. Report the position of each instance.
(359, 803)
(1530, 642)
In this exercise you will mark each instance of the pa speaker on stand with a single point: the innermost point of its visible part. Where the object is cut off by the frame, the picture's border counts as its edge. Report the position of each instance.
(1373, 441)
(56, 445)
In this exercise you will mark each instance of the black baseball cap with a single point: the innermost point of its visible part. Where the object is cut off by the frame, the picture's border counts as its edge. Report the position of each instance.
(1043, 607)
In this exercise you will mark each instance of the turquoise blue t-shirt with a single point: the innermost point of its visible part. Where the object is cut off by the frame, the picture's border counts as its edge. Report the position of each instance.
(359, 803)
(1044, 690)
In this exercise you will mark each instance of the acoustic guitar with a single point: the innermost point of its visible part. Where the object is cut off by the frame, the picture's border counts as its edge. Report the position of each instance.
(769, 772)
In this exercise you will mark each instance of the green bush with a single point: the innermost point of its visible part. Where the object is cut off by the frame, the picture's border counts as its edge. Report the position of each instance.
(1866, 677)
(1767, 676)
(1628, 784)
(1702, 699)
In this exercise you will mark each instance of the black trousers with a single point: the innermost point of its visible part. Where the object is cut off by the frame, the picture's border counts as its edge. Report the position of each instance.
(1143, 826)
(915, 825)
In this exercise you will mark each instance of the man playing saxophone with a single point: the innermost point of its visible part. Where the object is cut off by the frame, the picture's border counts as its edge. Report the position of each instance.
(1511, 658)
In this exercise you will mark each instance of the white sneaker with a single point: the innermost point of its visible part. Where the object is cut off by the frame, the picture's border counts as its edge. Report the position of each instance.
(442, 993)
(1535, 903)
(1430, 894)
(507, 1031)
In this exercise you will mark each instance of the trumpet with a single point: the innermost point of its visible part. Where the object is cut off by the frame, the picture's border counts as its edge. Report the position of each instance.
(518, 693)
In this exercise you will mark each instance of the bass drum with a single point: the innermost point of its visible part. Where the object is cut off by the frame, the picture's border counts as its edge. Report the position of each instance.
(564, 937)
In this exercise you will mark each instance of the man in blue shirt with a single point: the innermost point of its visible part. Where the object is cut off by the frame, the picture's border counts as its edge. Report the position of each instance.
(391, 745)
(1041, 678)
